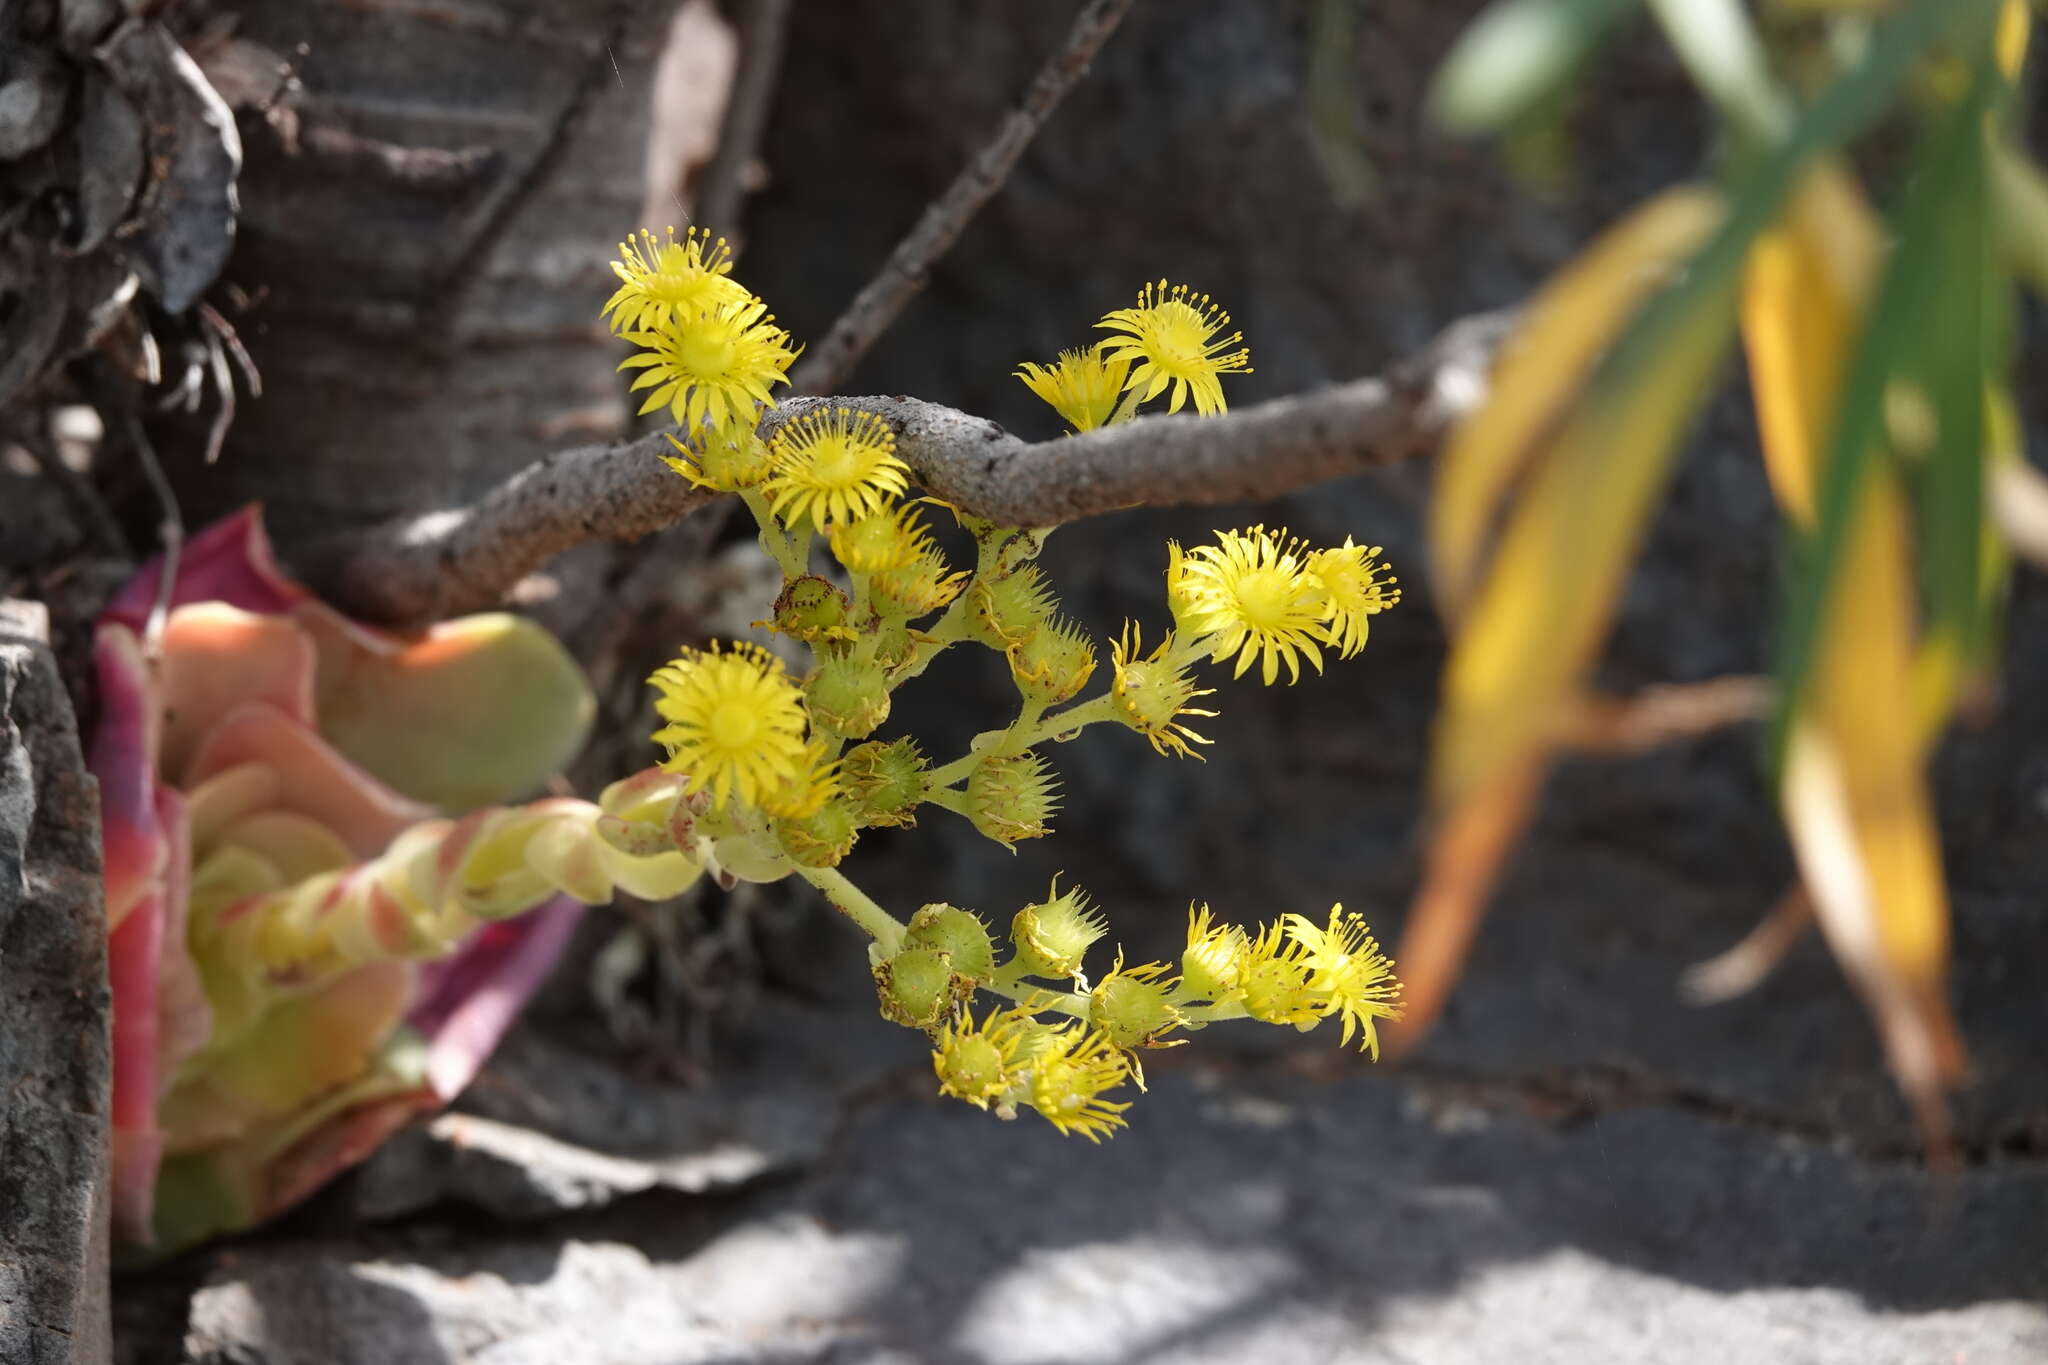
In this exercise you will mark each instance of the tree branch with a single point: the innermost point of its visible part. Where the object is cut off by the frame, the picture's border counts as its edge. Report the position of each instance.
(426, 567)
(746, 117)
(903, 274)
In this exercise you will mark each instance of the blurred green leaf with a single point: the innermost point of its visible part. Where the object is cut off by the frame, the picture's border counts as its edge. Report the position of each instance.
(1513, 57)
(1949, 162)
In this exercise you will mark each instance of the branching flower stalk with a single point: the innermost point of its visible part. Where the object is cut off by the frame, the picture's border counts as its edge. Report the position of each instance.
(772, 775)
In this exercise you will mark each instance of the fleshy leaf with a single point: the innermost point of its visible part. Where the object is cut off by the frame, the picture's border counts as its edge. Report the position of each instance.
(474, 711)
(214, 658)
(316, 780)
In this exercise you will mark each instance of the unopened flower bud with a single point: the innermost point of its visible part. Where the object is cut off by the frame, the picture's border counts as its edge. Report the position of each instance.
(1053, 937)
(1012, 798)
(822, 838)
(1134, 1007)
(918, 987)
(1054, 664)
(885, 781)
(848, 696)
(1213, 966)
(959, 934)
(1008, 611)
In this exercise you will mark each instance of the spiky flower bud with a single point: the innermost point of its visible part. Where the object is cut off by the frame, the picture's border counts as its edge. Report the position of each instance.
(885, 781)
(1009, 610)
(918, 987)
(1012, 798)
(1134, 1007)
(812, 608)
(1213, 966)
(849, 696)
(822, 838)
(959, 934)
(1054, 664)
(1053, 937)
(923, 585)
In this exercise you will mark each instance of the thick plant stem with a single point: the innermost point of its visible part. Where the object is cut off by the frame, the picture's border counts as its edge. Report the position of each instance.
(849, 900)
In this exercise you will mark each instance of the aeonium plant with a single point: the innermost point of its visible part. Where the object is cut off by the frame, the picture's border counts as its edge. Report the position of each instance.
(306, 949)
(788, 768)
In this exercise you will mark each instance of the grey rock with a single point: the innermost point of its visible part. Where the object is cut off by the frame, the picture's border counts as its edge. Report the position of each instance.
(34, 90)
(1243, 1217)
(54, 1047)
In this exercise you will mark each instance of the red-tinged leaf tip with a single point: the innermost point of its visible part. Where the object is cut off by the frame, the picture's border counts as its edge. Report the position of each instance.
(231, 561)
(123, 759)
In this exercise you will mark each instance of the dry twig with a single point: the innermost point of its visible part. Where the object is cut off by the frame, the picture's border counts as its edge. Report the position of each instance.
(746, 117)
(426, 567)
(903, 274)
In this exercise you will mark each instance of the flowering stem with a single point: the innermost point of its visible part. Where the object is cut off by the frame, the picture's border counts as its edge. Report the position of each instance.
(1061, 724)
(1127, 409)
(849, 900)
(773, 538)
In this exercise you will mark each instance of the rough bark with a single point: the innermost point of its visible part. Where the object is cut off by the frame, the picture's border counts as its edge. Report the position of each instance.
(54, 1048)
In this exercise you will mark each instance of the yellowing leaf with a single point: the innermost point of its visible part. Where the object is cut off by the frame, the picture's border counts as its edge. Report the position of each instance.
(2009, 43)
(1802, 297)
(1856, 804)
(1551, 591)
(1570, 324)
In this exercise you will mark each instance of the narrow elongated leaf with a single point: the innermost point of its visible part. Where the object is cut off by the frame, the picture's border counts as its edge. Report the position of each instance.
(1569, 326)
(1515, 56)
(1549, 594)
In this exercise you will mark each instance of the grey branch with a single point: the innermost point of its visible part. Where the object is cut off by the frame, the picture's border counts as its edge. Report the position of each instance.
(903, 274)
(746, 117)
(424, 568)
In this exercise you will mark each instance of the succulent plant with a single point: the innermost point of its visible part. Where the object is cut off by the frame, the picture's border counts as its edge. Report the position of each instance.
(306, 949)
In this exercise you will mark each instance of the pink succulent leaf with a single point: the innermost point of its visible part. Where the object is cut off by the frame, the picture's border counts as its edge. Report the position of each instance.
(184, 1018)
(123, 758)
(133, 956)
(231, 561)
(317, 781)
(466, 1002)
(215, 657)
(472, 712)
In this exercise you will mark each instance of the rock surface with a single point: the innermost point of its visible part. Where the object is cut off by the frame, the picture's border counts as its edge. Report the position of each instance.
(54, 1050)
(1250, 1214)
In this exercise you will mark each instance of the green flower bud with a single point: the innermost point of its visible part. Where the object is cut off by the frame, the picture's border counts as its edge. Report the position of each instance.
(958, 933)
(1054, 664)
(923, 585)
(885, 782)
(1134, 1008)
(812, 608)
(1005, 612)
(823, 838)
(1053, 937)
(918, 988)
(1011, 798)
(847, 696)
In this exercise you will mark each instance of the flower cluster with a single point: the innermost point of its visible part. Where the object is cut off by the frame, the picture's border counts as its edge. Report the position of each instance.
(785, 770)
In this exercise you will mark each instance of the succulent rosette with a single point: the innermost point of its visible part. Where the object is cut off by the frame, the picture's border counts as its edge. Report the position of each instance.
(320, 922)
